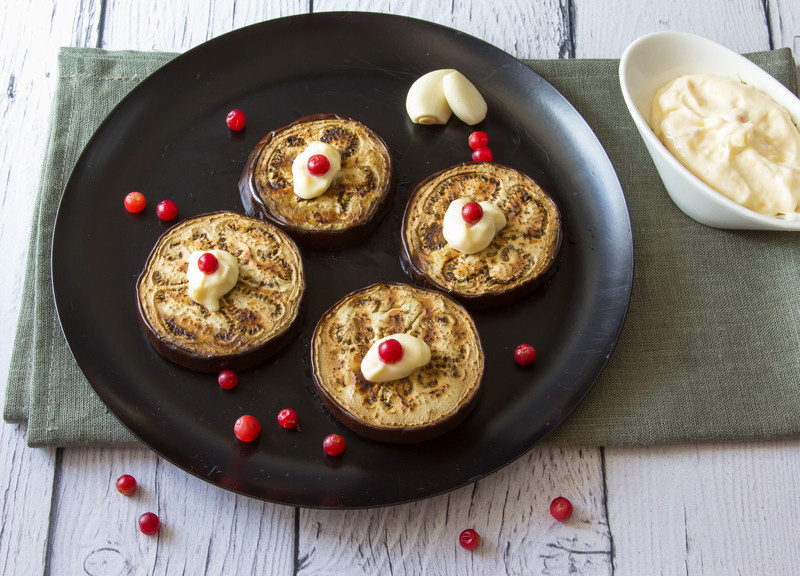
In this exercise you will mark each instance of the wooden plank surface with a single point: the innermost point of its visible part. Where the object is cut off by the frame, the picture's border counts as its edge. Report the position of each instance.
(712, 509)
(672, 510)
(510, 509)
(599, 31)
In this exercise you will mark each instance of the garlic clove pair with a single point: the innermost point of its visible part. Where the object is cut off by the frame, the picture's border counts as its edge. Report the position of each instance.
(435, 96)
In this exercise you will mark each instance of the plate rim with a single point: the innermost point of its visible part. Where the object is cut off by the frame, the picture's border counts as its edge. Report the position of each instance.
(577, 395)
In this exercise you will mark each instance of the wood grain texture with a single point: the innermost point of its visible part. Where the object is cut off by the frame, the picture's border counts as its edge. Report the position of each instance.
(28, 68)
(738, 24)
(705, 509)
(784, 20)
(509, 509)
(178, 26)
(26, 483)
(28, 73)
(544, 22)
(204, 529)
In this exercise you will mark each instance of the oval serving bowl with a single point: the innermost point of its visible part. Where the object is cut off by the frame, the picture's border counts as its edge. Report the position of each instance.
(653, 60)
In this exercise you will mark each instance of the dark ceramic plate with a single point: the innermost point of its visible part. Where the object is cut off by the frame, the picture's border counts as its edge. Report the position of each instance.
(168, 139)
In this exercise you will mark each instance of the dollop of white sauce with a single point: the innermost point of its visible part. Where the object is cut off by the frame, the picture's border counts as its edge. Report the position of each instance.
(471, 238)
(733, 137)
(307, 185)
(207, 289)
(416, 354)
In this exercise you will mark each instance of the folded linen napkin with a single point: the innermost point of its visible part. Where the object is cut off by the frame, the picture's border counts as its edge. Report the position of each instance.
(708, 352)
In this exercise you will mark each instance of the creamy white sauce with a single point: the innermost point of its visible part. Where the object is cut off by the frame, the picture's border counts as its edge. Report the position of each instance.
(416, 354)
(307, 185)
(207, 289)
(733, 137)
(471, 238)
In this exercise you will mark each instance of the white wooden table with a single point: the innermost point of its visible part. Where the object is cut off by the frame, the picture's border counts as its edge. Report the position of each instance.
(708, 509)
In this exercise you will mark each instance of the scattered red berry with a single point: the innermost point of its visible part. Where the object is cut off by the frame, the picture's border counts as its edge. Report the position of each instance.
(469, 539)
(318, 164)
(134, 202)
(333, 445)
(478, 140)
(235, 120)
(471, 212)
(561, 509)
(228, 379)
(247, 428)
(524, 355)
(166, 210)
(390, 351)
(208, 263)
(287, 418)
(148, 523)
(482, 154)
(126, 485)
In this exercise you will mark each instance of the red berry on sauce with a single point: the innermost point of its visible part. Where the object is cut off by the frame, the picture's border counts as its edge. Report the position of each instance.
(471, 212)
(469, 539)
(524, 355)
(228, 379)
(318, 164)
(561, 509)
(126, 485)
(247, 428)
(287, 418)
(478, 140)
(148, 523)
(166, 210)
(208, 263)
(333, 445)
(390, 351)
(235, 120)
(482, 154)
(134, 202)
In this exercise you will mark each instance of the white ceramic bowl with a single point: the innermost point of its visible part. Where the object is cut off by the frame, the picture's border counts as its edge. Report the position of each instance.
(653, 60)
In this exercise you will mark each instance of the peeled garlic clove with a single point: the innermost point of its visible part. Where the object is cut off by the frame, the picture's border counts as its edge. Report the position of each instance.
(425, 102)
(464, 99)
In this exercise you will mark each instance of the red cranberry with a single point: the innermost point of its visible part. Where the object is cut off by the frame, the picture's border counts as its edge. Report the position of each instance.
(318, 164)
(235, 120)
(390, 351)
(524, 355)
(247, 428)
(469, 539)
(208, 263)
(148, 523)
(333, 445)
(287, 418)
(228, 379)
(134, 202)
(126, 485)
(561, 509)
(471, 212)
(482, 154)
(166, 210)
(478, 140)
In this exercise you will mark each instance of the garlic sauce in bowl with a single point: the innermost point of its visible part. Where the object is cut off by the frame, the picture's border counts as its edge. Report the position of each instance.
(706, 147)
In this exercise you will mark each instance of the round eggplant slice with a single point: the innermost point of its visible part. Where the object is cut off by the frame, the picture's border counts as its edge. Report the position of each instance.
(432, 399)
(257, 317)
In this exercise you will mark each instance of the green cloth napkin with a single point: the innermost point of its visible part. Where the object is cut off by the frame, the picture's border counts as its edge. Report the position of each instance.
(709, 351)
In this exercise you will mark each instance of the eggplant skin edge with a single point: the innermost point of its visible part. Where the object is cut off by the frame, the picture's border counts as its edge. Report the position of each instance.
(485, 300)
(397, 435)
(254, 206)
(214, 363)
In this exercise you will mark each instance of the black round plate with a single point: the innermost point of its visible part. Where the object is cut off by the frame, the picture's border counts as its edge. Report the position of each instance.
(168, 139)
